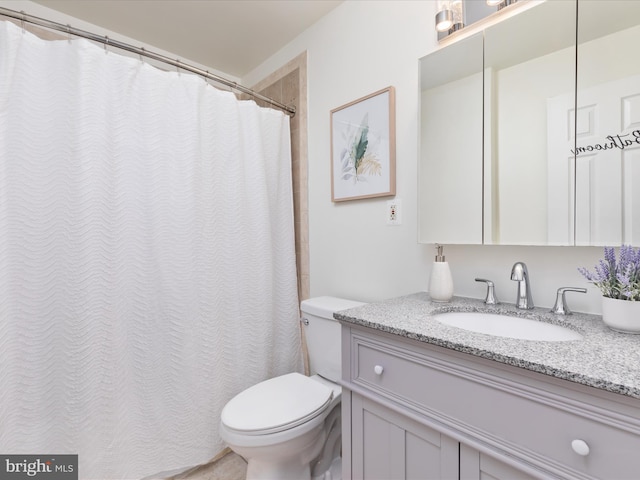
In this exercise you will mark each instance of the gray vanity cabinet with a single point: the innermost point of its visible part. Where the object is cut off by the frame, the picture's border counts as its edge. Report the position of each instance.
(393, 446)
(416, 410)
(475, 465)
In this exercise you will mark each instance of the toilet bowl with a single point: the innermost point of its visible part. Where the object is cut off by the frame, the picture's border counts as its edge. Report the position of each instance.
(281, 437)
(289, 427)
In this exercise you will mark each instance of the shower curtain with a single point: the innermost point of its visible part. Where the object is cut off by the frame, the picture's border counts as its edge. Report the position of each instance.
(147, 264)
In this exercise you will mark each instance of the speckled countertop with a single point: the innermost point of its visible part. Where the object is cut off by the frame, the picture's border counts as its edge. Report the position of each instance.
(602, 358)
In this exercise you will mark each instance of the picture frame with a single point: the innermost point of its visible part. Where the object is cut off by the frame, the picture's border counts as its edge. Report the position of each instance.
(363, 147)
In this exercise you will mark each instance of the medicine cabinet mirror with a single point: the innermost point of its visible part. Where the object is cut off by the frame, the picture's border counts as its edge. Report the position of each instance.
(520, 165)
(450, 175)
(607, 168)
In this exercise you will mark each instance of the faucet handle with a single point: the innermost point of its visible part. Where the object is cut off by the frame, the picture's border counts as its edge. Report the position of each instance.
(490, 299)
(561, 308)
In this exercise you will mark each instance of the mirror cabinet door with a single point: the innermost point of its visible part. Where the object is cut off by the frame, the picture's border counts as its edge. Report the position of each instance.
(607, 172)
(529, 97)
(450, 167)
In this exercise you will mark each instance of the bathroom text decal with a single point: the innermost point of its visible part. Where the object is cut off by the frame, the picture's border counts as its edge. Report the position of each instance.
(619, 141)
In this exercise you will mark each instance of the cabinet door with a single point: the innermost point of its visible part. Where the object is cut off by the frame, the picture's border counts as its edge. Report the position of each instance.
(387, 445)
(475, 465)
(450, 168)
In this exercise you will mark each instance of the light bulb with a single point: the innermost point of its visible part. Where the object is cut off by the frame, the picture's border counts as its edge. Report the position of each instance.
(444, 17)
(458, 16)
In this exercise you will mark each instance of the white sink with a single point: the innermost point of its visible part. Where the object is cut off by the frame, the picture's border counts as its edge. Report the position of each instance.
(507, 326)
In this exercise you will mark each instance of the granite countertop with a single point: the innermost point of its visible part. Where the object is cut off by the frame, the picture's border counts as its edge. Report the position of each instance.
(602, 359)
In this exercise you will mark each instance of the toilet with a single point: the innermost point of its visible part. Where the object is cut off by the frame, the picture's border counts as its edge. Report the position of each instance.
(288, 427)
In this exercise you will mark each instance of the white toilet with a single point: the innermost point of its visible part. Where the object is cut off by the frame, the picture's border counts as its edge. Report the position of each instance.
(288, 427)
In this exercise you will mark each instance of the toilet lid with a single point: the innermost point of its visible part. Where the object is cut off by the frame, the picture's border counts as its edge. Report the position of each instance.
(276, 404)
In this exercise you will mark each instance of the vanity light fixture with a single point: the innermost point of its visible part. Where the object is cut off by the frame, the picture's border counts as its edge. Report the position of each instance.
(458, 15)
(444, 17)
(500, 3)
(450, 16)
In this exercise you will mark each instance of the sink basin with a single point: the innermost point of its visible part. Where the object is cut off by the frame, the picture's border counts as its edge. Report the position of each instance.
(507, 326)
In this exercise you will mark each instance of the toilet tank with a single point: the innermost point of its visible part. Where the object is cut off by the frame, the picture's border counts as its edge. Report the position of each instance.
(322, 334)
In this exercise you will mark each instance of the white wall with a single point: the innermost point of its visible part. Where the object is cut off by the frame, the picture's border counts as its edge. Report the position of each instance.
(358, 48)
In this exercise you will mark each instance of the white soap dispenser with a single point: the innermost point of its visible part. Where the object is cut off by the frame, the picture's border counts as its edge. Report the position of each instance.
(441, 283)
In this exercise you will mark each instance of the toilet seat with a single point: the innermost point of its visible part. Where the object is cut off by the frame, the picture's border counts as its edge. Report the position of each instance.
(277, 404)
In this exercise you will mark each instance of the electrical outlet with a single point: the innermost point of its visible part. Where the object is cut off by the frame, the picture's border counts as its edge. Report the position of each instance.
(394, 212)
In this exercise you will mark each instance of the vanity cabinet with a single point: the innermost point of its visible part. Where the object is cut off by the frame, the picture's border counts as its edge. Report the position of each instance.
(394, 446)
(416, 410)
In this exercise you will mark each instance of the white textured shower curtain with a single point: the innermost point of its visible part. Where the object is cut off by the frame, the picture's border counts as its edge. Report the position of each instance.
(147, 264)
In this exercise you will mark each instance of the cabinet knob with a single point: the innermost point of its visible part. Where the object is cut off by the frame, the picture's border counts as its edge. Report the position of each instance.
(378, 369)
(580, 447)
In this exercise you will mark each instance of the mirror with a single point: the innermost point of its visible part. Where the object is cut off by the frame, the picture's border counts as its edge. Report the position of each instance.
(450, 173)
(529, 75)
(607, 170)
(552, 174)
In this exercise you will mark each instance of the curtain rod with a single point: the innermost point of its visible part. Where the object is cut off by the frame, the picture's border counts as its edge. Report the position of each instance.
(105, 40)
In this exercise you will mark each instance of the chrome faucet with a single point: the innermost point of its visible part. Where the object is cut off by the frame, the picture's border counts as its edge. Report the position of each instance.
(560, 307)
(490, 298)
(520, 274)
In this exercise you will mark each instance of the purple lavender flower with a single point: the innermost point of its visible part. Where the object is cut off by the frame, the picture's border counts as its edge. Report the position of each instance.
(610, 257)
(617, 279)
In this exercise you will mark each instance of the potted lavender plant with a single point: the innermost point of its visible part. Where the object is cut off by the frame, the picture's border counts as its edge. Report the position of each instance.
(619, 282)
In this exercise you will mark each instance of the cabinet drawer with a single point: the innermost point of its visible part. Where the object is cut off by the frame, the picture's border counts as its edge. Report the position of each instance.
(514, 417)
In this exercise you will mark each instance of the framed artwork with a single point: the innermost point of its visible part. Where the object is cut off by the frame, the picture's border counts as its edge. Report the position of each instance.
(363, 147)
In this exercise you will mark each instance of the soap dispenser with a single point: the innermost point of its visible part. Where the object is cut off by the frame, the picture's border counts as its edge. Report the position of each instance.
(441, 283)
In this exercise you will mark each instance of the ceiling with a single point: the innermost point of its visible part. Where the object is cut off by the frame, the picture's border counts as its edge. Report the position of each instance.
(231, 36)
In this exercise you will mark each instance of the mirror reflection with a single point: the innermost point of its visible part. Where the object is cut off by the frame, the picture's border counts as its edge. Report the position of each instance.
(529, 75)
(450, 173)
(607, 170)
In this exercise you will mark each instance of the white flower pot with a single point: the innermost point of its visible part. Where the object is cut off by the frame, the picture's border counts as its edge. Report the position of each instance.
(621, 315)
